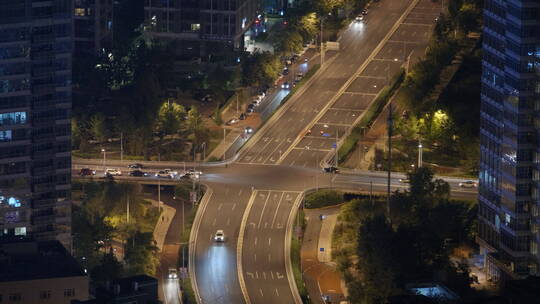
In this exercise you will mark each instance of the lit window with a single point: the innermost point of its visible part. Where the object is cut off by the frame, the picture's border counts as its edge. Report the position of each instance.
(20, 230)
(79, 11)
(14, 118)
(5, 135)
(195, 26)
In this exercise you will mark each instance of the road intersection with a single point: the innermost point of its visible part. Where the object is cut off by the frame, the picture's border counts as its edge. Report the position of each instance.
(255, 198)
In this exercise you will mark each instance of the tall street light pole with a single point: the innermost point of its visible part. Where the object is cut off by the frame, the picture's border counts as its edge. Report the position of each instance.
(104, 157)
(322, 45)
(389, 126)
(419, 154)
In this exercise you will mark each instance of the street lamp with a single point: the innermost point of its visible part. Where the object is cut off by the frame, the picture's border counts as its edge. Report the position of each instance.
(104, 157)
(419, 154)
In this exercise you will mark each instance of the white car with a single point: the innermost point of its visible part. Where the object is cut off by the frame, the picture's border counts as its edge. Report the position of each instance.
(359, 18)
(173, 273)
(220, 236)
(248, 130)
(163, 174)
(468, 184)
(113, 172)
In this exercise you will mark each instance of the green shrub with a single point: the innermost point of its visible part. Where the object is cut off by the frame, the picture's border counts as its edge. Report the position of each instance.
(323, 198)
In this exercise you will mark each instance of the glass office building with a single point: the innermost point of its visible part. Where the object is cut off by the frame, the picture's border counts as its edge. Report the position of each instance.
(35, 109)
(509, 187)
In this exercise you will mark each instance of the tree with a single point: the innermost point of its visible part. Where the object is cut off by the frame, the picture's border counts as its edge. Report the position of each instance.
(375, 260)
(290, 41)
(97, 127)
(194, 120)
(108, 269)
(141, 254)
(170, 117)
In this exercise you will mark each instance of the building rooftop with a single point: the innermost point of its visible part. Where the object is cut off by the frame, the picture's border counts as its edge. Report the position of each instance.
(30, 260)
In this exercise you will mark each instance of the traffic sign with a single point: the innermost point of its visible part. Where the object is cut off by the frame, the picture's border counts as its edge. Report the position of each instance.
(321, 249)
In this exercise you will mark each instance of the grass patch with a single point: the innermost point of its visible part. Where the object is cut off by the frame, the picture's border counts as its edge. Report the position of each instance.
(296, 245)
(188, 295)
(375, 108)
(323, 198)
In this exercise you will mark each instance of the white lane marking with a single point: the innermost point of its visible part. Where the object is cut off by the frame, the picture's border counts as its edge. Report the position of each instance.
(272, 275)
(277, 208)
(240, 192)
(264, 275)
(250, 274)
(269, 241)
(256, 241)
(228, 221)
(233, 206)
(260, 290)
(255, 257)
(219, 206)
(262, 212)
(277, 293)
(269, 258)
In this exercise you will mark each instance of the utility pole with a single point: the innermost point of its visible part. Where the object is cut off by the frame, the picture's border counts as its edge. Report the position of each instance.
(389, 126)
(322, 45)
(337, 156)
(159, 193)
(121, 146)
(127, 210)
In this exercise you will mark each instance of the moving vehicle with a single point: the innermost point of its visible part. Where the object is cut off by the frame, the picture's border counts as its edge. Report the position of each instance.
(173, 273)
(248, 130)
(331, 169)
(285, 85)
(359, 18)
(232, 121)
(468, 184)
(163, 174)
(308, 132)
(87, 172)
(137, 173)
(193, 171)
(135, 166)
(404, 180)
(112, 172)
(219, 236)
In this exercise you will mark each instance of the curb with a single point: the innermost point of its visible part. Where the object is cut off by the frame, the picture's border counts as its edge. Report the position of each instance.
(193, 240)
(287, 249)
(240, 245)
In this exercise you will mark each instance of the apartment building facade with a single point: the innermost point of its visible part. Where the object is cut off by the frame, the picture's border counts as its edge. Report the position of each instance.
(509, 178)
(35, 109)
(93, 26)
(201, 27)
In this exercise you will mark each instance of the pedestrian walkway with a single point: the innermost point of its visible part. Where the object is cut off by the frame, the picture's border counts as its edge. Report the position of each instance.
(164, 221)
(323, 281)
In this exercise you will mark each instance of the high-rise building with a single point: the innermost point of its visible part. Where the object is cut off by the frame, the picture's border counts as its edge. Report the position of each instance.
(509, 188)
(201, 27)
(93, 26)
(35, 109)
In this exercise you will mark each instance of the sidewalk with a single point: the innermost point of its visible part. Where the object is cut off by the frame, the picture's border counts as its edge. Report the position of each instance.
(321, 277)
(162, 226)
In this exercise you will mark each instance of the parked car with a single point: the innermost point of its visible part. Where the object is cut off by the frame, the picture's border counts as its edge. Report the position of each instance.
(87, 172)
(404, 180)
(138, 173)
(242, 116)
(249, 111)
(135, 166)
(112, 172)
(219, 236)
(468, 184)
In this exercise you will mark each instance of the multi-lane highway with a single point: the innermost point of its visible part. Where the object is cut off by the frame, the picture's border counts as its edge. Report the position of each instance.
(254, 199)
